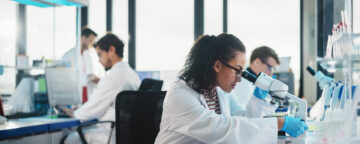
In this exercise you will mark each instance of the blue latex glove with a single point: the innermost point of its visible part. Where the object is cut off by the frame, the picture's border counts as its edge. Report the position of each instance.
(259, 93)
(294, 126)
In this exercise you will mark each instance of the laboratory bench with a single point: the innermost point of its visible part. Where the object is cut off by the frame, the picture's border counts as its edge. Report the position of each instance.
(43, 130)
(310, 138)
(40, 130)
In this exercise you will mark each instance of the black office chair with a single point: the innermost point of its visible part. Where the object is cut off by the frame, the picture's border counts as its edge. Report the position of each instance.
(138, 116)
(81, 134)
(151, 85)
(146, 85)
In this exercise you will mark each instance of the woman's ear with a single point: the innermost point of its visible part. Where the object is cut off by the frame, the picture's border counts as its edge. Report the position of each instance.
(217, 66)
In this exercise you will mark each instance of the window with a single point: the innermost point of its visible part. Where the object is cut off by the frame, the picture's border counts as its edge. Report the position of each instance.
(65, 30)
(50, 31)
(213, 17)
(165, 33)
(97, 16)
(8, 29)
(274, 23)
(40, 32)
(120, 25)
(356, 16)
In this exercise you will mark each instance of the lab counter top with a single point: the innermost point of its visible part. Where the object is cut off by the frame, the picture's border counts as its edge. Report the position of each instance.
(33, 125)
(311, 138)
(29, 126)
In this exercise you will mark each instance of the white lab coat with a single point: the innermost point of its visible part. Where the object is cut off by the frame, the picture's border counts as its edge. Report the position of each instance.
(254, 107)
(102, 105)
(257, 108)
(186, 118)
(243, 92)
(88, 64)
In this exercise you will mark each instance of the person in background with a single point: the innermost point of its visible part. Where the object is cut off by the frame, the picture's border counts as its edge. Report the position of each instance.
(256, 101)
(89, 68)
(102, 104)
(195, 112)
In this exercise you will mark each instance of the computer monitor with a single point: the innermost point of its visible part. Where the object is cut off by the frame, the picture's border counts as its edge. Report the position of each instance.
(63, 86)
(148, 74)
(288, 79)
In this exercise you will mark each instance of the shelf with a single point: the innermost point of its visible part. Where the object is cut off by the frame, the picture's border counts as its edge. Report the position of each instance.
(332, 64)
(352, 57)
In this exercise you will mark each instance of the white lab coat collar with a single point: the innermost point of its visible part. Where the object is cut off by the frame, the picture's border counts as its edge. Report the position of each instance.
(119, 64)
(202, 100)
(220, 95)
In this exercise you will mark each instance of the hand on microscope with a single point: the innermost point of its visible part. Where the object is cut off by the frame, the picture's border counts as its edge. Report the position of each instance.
(261, 94)
(294, 126)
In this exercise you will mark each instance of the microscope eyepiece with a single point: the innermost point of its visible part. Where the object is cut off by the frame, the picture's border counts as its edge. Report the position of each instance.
(250, 77)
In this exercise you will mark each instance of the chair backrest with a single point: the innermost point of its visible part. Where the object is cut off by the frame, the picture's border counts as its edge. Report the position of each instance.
(138, 116)
(151, 85)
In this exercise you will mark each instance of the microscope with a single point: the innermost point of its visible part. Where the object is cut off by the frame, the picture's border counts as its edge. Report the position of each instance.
(320, 77)
(278, 91)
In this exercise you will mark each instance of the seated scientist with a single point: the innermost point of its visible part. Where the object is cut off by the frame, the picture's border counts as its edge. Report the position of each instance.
(102, 104)
(194, 111)
(255, 100)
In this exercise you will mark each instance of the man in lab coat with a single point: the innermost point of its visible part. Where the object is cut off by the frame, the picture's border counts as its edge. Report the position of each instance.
(90, 69)
(102, 104)
(255, 101)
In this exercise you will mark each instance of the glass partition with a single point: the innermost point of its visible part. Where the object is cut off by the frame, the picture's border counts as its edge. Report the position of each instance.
(8, 29)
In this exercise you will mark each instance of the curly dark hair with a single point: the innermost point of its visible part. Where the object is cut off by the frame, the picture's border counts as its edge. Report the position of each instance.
(111, 40)
(198, 72)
